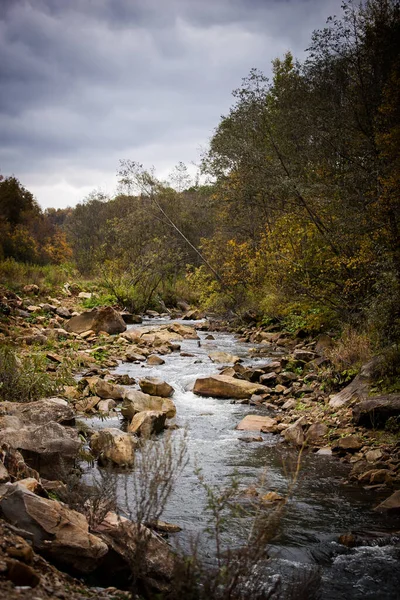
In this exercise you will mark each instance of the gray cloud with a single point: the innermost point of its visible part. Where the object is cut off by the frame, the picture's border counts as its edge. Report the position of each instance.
(85, 83)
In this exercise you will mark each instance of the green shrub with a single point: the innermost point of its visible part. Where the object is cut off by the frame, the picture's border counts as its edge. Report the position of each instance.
(24, 379)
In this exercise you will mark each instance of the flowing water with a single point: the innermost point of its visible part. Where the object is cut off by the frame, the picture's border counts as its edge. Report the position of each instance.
(322, 506)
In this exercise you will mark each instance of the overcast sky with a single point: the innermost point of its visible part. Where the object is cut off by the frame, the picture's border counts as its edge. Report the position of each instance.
(85, 83)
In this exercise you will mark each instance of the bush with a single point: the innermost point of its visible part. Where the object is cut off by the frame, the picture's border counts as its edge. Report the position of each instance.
(24, 379)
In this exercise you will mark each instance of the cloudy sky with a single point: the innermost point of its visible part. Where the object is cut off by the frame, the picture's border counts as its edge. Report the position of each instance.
(84, 83)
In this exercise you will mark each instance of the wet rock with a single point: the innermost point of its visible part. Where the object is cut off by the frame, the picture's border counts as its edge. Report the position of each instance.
(156, 387)
(147, 423)
(99, 319)
(248, 440)
(111, 445)
(223, 386)
(272, 498)
(257, 423)
(223, 358)
(163, 527)
(131, 319)
(136, 402)
(325, 451)
(374, 412)
(153, 359)
(391, 504)
(58, 532)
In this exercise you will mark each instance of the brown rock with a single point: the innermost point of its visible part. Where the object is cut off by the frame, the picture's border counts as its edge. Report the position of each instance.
(58, 531)
(391, 504)
(374, 412)
(114, 446)
(136, 402)
(294, 435)
(223, 358)
(350, 443)
(257, 423)
(153, 359)
(316, 431)
(147, 423)
(156, 387)
(223, 386)
(99, 319)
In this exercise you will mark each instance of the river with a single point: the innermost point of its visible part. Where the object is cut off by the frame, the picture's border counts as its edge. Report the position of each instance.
(322, 507)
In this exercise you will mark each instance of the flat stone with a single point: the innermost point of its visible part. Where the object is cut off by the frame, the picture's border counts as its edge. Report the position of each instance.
(391, 504)
(224, 386)
(257, 423)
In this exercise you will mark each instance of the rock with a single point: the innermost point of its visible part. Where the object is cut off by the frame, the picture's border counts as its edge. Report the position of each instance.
(63, 312)
(294, 434)
(223, 358)
(223, 386)
(257, 423)
(57, 531)
(373, 455)
(156, 387)
(136, 402)
(99, 319)
(104, 389)
(375, 476)
(316, 431)
(289, 404)
(272, 497)
(85, 295)
(32, 485)
(134, 357)
(210, 337)
(391, 504)
(357, 389)
(163, 527)
(303, 355)
(157, 561)
(257, 438)
(268, 378)
(192, 315)
(185, 331)
(32, 288)
(4, 476)
(350, 443)
(114, 446)
(374, 412)
(87, 404)
(124, 379)
(325, 451)
(147, 423)
(104, 406)
(39, 412)
(21, 575)
(14, 462)
(131, 319)
(153, 359)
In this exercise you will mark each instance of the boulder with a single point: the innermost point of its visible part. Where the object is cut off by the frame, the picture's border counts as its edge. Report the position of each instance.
(185, 331)
(131, 319)
(147, 423)
(391, 504)
(136, 402)
(104, 389)
(129, 543)
(4, 476)
(223, 386)
(257, 423)
(156, 387)
(374, 412)
(40, 412)
(223, 358)
(99, 319)
(155, 360)
(111, 445)
(358, 388)
(57, 531)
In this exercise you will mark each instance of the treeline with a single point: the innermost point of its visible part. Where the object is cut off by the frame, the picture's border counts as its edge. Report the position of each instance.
(301, 219)
(28, 234)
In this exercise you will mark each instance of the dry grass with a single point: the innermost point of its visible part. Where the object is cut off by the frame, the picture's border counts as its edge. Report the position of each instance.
(351, 351)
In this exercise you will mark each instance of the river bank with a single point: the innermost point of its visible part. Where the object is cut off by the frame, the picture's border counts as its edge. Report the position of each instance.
(290, 400)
